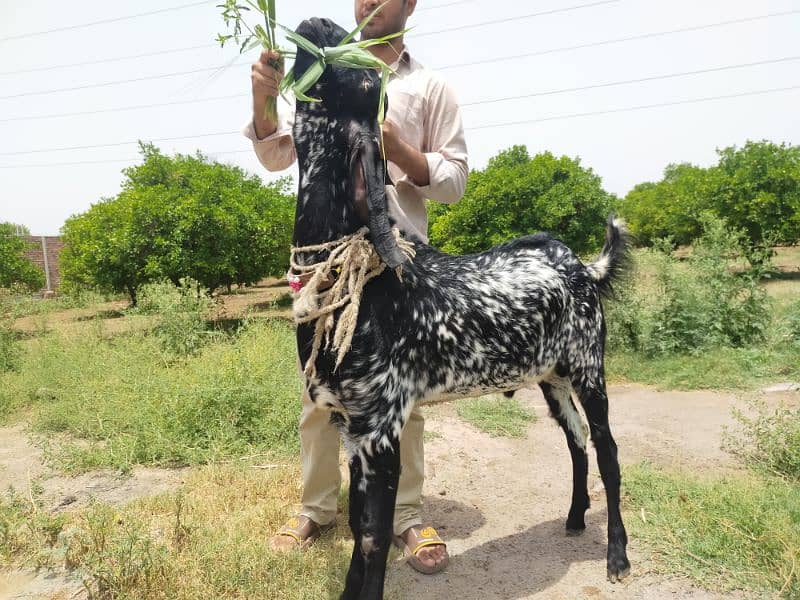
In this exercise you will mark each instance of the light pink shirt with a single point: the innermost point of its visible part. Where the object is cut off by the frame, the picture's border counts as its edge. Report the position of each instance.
(427, 116)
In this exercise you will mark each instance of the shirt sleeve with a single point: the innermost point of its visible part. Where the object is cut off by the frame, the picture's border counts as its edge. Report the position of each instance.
(276, 152)
(444, 146)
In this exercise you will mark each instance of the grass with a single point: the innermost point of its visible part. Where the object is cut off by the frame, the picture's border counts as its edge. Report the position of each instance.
(716, 368)
(497, 416)
(736, 532)
(206, 540)
(126, 400)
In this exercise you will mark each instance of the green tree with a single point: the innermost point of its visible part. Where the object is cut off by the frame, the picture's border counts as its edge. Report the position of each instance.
(759, 191)
(755, 188)
(15, 268)
(672, 207)
(177, 217)
(517, 195)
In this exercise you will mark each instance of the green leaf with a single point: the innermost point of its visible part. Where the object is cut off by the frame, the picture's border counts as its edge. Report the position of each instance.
(246, 48)
(302, 42)
(309, 78)
(262, 35)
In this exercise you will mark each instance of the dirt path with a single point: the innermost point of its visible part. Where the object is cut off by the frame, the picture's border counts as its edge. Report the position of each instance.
(500, 503)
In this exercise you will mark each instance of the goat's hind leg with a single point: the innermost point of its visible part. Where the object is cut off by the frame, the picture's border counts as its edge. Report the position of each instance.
(558, 393)
(590, 388)
(373, 491)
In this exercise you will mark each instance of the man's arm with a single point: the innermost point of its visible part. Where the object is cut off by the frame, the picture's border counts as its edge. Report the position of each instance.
(441, 171)
(272, 142)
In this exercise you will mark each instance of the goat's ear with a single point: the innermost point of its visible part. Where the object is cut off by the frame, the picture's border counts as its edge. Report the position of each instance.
(380, 227)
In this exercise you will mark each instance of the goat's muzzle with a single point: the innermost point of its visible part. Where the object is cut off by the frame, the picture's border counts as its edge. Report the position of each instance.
(368, 182)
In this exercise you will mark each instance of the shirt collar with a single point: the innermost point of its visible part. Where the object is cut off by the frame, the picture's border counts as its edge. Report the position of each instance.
(403, 61)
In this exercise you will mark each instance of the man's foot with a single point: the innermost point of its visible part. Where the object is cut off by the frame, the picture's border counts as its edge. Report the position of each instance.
(298, 533)
(424, 550)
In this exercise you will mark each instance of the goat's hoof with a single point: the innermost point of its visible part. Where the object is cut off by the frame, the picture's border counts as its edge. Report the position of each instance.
(618, 569)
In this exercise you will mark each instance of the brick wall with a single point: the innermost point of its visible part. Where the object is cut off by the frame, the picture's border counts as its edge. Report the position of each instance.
(36, 255)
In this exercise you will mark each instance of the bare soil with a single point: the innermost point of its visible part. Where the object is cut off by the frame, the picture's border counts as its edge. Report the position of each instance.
(500, 503)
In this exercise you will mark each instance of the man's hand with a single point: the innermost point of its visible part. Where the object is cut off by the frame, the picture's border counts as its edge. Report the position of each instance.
(266, 79)
(410, 161)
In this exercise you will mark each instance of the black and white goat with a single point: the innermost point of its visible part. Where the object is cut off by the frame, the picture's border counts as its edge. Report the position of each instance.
(523, 313)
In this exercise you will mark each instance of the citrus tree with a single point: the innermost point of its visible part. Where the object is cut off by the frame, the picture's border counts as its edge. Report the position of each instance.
(181, 216)
(517, 195)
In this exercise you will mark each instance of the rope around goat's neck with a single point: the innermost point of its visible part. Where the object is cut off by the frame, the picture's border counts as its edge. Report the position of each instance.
(357, 261)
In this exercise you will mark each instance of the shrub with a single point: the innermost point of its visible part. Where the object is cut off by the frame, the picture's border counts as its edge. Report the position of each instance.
(9, 349)
(183, 310)
(769, 440)
(691, 305)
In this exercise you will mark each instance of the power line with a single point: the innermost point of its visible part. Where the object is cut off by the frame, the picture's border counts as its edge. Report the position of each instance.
(171, 50)
(464, 104)
(120, 81)
(122, 108)
(440, 68)
(479, 127)
(632, 38)
(103, 21)
(429, 33)
(91, 146)
(630, 81)
(516, 18)
(636, 108)
(106, 60)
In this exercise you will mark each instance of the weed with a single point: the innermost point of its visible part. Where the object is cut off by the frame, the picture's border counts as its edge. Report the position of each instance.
(670, 307)
(769, 440)
(183, 312)
(127, 403)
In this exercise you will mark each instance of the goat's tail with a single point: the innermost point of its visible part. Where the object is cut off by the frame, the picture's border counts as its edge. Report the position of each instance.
(613, 259)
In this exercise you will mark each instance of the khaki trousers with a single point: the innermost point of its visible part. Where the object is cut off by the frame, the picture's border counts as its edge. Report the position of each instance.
(319, 453)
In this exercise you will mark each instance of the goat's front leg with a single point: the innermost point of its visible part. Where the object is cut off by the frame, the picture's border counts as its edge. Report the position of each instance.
(373, 491)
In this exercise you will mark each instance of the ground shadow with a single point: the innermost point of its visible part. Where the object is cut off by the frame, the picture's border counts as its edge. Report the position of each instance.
(453, 519)
(511, 567)
(103, 314)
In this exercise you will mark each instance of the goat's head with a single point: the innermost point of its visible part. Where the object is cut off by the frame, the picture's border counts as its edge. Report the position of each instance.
(342, 173)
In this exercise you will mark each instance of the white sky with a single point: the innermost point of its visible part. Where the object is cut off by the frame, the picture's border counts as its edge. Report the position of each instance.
(624, 148)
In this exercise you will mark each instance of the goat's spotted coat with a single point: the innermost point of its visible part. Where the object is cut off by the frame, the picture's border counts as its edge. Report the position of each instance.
(523, 313)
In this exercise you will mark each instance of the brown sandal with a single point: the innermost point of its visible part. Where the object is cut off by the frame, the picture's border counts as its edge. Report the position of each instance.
(301, 530)
(421, 537)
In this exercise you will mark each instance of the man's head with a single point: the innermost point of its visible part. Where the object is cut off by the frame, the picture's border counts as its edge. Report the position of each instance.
(391, 19)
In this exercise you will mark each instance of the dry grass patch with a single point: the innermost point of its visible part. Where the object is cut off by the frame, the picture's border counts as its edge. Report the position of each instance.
(207, 540)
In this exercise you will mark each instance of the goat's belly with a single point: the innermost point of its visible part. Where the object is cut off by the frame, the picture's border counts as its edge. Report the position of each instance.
(473, 387)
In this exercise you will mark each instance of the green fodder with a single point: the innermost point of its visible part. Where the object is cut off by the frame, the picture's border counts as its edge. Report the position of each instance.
(496, 415)
(735, 532)
(127, 402)
(670, 306)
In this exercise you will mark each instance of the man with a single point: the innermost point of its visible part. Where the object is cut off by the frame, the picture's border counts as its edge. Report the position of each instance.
(424, 143)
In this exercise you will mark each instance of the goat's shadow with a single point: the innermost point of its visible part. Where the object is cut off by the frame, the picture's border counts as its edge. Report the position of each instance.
(509, 567)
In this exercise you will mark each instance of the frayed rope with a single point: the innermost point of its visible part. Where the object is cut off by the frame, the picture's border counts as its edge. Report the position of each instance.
(357, 261)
